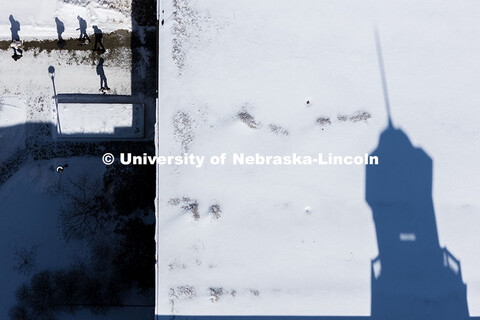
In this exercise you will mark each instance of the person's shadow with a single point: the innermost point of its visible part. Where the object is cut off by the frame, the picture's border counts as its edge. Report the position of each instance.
(60, 29)
(412, 277)
(16, 44)
(103, 78)
(98, 40)
(83, 30)
(14, 28)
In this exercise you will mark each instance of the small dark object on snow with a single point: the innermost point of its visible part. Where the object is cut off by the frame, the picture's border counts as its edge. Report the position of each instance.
(99, 51)
(61, 168)
(323, 121)
(17, 56)
(215, 210)
(82, 42)
(61, 44)
(17, 46)
(104, 90)
(360, 116)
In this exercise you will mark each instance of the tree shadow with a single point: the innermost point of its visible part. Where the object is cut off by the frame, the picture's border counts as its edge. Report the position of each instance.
(412, 277)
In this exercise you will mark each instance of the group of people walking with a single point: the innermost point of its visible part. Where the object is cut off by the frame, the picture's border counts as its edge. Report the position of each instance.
(84, 39)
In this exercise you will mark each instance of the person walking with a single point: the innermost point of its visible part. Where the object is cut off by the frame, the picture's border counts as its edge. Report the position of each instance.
(83, 30)
(14, 28)
(98, 40)
(60, 29)
(103, 79)
(17, 44)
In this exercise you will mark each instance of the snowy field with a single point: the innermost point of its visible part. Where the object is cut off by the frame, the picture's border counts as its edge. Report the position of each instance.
(234, 78)
(100, 120)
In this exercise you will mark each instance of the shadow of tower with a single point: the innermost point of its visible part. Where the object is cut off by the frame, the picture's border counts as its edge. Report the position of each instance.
(412, 277)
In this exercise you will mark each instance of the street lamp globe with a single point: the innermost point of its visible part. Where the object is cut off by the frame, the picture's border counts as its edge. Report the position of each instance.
(51, 71)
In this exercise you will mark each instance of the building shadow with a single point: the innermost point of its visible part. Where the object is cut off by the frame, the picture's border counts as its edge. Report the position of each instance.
(144, 77)
(412, 277)
(20, 144)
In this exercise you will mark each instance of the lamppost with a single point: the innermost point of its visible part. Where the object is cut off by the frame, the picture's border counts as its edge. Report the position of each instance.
(51, 73)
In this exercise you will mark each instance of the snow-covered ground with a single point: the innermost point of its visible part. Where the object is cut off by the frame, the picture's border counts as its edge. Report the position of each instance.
(29, 224)
(234, 78)
(37, 18)
(100, 120)
(29, 221)
(30, 207)
(12, 116)
(29, 82)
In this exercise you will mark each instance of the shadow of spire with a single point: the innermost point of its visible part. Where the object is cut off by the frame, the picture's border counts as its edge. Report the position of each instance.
(412, 277)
